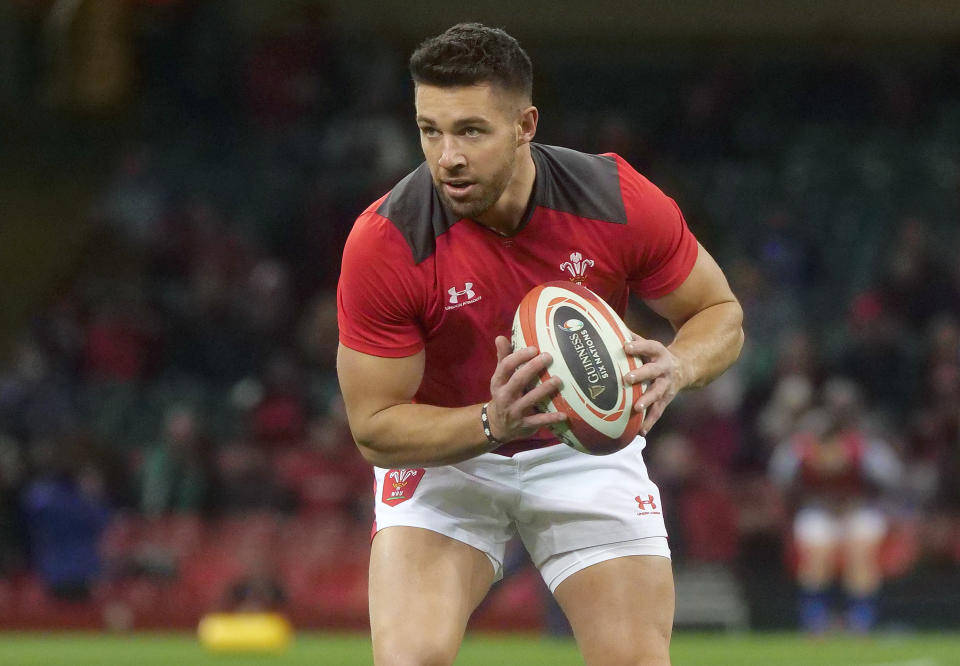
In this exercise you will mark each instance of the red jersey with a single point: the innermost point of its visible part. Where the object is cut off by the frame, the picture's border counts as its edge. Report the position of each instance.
(832, 468)
(413, 277)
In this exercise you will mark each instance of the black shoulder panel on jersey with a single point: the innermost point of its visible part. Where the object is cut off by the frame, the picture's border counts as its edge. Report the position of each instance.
(414, 208)
(583, 185)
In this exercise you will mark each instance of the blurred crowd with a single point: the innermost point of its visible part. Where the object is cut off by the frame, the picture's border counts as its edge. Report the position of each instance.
(183, 376)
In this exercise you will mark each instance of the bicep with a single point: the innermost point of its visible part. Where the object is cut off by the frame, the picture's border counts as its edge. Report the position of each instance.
(703, 288)
(371, 384)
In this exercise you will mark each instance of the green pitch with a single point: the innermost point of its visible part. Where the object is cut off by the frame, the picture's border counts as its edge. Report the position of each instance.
(348, 650)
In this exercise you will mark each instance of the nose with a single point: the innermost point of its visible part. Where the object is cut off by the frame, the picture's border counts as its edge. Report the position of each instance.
(451, 158)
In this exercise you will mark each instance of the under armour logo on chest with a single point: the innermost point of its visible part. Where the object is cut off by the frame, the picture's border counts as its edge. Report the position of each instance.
(467, 291)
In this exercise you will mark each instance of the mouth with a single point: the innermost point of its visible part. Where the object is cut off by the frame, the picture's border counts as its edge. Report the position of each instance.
(458, 189)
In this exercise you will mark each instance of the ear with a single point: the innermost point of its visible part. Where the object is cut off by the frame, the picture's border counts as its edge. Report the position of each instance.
(527, 125)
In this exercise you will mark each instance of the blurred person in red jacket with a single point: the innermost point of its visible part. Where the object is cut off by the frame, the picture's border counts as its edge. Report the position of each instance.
(835, 472)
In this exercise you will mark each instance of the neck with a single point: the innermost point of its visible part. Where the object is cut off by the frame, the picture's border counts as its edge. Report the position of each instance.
(505, 216)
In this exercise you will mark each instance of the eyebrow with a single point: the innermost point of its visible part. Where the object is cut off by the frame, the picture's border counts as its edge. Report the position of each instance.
(472, 120)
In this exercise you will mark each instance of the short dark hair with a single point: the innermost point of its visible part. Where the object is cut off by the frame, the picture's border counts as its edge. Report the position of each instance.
(471, 53)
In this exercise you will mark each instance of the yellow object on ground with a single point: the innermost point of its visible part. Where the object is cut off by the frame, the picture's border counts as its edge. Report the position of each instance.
(245, 632)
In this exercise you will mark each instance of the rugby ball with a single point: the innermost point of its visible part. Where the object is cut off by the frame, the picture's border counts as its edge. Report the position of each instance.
(585, 338)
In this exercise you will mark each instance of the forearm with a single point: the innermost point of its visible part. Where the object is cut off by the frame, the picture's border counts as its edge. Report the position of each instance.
(415, 435)
(708, 343)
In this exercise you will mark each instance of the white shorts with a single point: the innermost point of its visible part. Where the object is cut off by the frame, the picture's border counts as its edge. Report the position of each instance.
(819, 526)
(571, 510)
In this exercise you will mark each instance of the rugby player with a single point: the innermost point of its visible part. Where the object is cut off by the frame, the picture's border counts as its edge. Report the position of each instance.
(432, 273)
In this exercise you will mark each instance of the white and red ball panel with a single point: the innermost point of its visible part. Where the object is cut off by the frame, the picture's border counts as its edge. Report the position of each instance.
(585, 337)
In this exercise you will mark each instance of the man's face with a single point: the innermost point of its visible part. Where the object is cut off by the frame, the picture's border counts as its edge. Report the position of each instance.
(469, 136)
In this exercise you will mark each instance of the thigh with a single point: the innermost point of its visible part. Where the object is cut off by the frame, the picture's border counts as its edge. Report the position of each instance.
(467, 502)
(423, 588)
(816, 534)
(571, 501)
(865, 526)
(816, 527)
(621, 610)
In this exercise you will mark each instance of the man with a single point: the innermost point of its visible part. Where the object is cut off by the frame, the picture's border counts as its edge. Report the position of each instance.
(431, 276)
(837, 472)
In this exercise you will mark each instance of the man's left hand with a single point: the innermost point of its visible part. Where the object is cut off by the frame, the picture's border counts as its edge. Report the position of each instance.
(663, 373)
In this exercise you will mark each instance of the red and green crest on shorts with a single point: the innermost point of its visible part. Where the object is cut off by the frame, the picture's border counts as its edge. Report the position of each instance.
(400, 484)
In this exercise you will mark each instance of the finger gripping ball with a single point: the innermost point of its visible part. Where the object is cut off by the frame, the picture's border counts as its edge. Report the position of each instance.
(585, 338)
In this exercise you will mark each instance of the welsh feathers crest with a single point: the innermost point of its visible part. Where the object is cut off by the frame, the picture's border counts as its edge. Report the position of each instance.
(401, 475)
(577, 267)
(400, 484)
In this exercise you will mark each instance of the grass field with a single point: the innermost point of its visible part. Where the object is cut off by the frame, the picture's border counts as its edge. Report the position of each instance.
(350, 650)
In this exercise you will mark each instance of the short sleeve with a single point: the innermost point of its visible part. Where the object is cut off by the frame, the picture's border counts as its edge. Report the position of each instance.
(664, 249)
(378, 301)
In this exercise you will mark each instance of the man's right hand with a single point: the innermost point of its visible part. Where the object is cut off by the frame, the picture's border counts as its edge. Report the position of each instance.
(512, 409)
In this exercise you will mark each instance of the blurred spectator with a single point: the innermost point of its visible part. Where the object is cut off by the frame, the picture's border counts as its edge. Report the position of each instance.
(66, 512)
(59, 332)
(11, 478)
(934, 441)
(699, 510)
(784, 257)
(619, 133)
(318, 338)
(120, 341)
(788, 393)
(218, 260)
(317, 331)
(266, 303)
(258, 590)
(881, 352)
(915, 282)
(35, 399)
(767, 316)
(760, 519)
(790, 399)
(943, 340)
(710, 518)
(326, 474)
(712, 420)
(134, 202)
(280, 416)
(292, 73)
(835, 471)
(673, 462)
(699, 465)
(887, 321)
(246, 480)
(178, 473)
